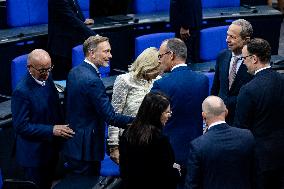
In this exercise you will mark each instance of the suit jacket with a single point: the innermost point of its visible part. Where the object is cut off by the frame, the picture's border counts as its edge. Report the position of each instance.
(66, 27)
(147, 166)
(88, 108)
(260, 108)
(220, 86)
(186, 14)
(186, 90)
(35, 110)
(221, 158)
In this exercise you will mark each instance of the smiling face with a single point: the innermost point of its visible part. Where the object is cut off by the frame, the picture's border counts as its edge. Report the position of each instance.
(101, 55)
(234, 40)
(166, 115)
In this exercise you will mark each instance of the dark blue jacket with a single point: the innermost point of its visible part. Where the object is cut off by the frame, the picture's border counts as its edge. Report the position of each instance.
(222, 158)
(88, 111)
(35, 110)
(186, 90)
(220, 86)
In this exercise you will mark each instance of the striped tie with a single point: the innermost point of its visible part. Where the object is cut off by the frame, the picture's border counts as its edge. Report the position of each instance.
(233, 72)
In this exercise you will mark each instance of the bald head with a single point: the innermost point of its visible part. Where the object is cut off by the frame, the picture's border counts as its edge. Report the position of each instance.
(39, 64)
(214, 108)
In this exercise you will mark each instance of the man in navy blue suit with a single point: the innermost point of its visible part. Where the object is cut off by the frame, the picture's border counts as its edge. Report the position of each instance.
(230, 72)
(89, 108)
(67, 28)
(36, 115)
(222, 158)
(260, 108)
(186, 90)
(186, 21)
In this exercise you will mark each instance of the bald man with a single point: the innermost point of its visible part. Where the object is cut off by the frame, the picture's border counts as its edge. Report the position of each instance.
(222, 157)
(38, 120)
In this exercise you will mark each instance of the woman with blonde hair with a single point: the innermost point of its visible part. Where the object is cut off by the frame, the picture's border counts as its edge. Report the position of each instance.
(129, 90)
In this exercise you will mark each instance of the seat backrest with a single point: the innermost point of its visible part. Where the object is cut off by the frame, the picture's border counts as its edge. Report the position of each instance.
(150, 6)
(84, 6)
(18, 69)
(26, 12)
(109, 168)
(212, 41)
(210, 76)
(1, 180)
(78, 58)
(150, 40)
(220, 3)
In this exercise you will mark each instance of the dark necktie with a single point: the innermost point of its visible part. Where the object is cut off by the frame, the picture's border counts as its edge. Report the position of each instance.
(233, 72)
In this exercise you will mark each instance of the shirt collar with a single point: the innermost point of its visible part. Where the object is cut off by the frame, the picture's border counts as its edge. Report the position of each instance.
(93, 65)
(42, 83)
(216, 123)
(261, 69)
(178, 65)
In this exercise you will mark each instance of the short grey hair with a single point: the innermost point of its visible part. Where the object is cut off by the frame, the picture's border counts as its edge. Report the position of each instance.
(247, 29)
(213, 106)
(92, 42)
(177, 46)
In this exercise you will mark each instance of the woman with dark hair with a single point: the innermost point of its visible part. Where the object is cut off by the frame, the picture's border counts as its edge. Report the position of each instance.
(146, 156)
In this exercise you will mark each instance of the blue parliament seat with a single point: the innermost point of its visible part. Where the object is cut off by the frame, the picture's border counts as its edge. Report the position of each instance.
(210, 76)
(212, 41)
(18, 69)
(26, 12)
(1, 180)
(150, 40)
(78, 58)
(84, 6)
(151, 6)
(220, 3)
(109, 168)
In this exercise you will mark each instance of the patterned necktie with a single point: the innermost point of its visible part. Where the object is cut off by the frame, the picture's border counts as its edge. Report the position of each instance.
(233, 72)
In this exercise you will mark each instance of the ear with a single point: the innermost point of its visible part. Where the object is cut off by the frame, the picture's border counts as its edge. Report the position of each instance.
(226, 112)
(203, 115)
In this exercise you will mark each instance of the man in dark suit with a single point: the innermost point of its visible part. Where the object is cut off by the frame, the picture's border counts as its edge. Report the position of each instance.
(88, 108)
(186, 90)
(230, 72)
(66, 29)
(260, 108)
(186, 22)
(36, 115)
(222, 158)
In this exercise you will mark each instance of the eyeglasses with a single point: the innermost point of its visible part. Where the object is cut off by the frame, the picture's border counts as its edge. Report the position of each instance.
(245, 57)
(161, 55)
(43, 70)
(168, 112)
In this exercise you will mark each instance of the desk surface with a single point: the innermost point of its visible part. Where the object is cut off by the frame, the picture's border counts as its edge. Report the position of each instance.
(24, 33)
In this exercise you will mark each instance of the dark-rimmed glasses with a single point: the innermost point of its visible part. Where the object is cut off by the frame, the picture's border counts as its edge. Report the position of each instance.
(43, 70)
(245, 57)
(161, 55)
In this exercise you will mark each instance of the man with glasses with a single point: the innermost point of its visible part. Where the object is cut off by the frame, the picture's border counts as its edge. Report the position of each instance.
(186, 90)
(260, 108)
(38, 120)
(230, 72)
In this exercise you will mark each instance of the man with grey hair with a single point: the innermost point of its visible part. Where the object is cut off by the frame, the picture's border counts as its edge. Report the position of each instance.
(89, 109)
(230, 72)
(223, 157)
(186, 90)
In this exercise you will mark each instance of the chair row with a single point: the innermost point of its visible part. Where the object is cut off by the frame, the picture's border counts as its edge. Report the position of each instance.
(33, 12)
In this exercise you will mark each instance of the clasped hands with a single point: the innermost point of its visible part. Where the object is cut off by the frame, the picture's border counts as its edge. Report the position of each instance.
(63, 131)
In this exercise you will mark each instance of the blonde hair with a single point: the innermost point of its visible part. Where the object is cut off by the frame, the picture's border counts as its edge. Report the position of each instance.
(146, 64)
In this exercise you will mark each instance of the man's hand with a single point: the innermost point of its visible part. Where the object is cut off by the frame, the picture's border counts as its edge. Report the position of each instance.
(114, 154)
(184, 34)
(89, 21)
(63, 131)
